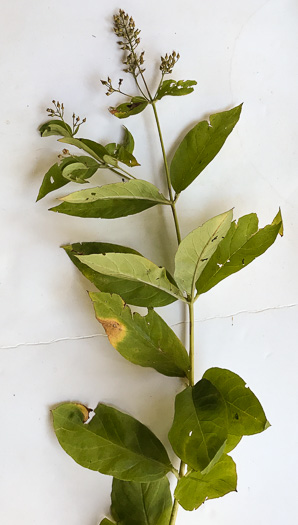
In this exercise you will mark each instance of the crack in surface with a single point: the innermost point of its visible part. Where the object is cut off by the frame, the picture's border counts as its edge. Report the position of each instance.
(92, 336)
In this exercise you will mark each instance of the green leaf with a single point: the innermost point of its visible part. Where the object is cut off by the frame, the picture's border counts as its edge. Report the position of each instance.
(112, 200)
(232, 442)
(199, 431)
(133, 107)
(196, 488)
(175, 88)
(79, 169)
(105, 521)
(245, 413)
(242, 244)
(200, 146)
(128, 141)
(96, 150)
(141, 503)
(149, 284)
(146, 341)
(55, 127)
(112, 443)
(53, 180)
(197, 248)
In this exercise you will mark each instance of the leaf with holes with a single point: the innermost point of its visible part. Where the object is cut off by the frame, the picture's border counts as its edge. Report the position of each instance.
(199, 431)
(196, 488)
(141, 503)
(197, 248)
(243, 243)
(112, 443)
(150, 284)
(146, 341)
(112, 200)
(200, 146)
(245, 413)
(175, 88)
(133, 107)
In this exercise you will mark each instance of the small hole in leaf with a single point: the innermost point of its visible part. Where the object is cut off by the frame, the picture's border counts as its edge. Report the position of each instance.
(236, 416)
(52, 180)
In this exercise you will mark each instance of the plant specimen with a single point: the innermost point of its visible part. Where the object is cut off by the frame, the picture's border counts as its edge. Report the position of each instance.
(212, 414)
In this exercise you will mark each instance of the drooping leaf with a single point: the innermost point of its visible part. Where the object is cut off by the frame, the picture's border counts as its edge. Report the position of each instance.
(199, 147)
(175, 88)
(245, 413)
(199, 431)
(196, 488)
(196, 249)
(141, 503)
(148, 284)
(133, 107)
(96, 150)
(112, 200)
(146, 341)
(55, 127)
(242, 244)
(112, 443)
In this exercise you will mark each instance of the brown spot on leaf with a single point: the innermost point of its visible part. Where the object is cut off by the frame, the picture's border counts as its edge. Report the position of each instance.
(114, 330)
(85, 411)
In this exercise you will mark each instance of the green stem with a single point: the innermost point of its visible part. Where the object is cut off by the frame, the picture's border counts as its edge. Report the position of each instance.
(173, 206)
(176, 504)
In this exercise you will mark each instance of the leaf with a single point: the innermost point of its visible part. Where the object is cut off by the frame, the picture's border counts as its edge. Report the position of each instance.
(128, 141)
(245, 413)
(146, 341)
(232, 442)
(195, 488)
(242, 244)
(141, 503)
(175, 88)
(133, 107)
(53, 180)
(112, 443)
(112, 200)
(55, 127)
(96, 150)
(199, 429)
(79, 169)
(148, 284)
(197, 248)
(105, 521)
(200, 146)
(123, 152)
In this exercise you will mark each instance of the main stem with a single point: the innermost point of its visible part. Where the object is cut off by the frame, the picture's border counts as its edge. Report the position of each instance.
(190, 304)
(173, 207)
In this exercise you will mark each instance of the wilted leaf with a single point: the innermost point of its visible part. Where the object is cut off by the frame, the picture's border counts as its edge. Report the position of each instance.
(196, 488)
(241, 245)
(112, 200)
(133, 107)
(112, 443)
(149, 283)
(200, 146)
(146, 341)
(141, 503)
(55, 127)
(175, 88)
(196, 249)
(199, 429)
(245, 413)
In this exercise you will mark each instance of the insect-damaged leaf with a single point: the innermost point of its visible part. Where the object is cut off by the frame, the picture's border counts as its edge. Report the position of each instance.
(199, 429)
(149, 283)
(175, 88)
(245, 413)
(133, 107)
(141, 503)
(55, 127)
(112, 200)
(112, 443)
(242, 244)
(195, 488)
(196, 249)
(146, 341)
(200, 146)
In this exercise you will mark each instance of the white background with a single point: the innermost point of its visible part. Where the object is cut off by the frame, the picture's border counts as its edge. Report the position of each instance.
(52, 348)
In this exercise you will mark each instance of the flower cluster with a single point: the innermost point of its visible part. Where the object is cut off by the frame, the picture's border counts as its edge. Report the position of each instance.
(125, 28)
(168, 62)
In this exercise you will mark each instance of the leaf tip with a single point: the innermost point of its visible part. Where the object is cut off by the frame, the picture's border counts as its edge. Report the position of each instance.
(267, 424)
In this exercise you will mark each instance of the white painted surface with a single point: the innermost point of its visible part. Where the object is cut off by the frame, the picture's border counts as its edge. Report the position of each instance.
(237, 51)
